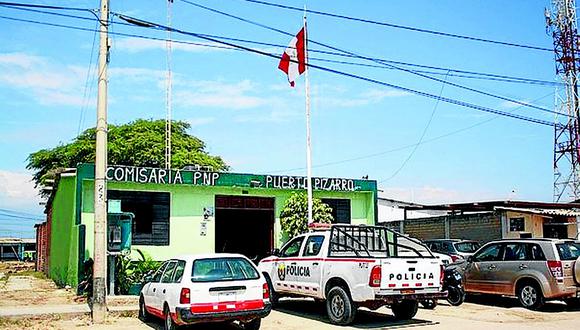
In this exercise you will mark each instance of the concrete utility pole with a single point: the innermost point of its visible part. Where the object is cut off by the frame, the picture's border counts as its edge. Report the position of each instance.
(100, 237)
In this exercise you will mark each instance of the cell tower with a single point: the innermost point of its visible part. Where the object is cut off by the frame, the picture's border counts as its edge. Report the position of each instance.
(169, 94)
(561, 21)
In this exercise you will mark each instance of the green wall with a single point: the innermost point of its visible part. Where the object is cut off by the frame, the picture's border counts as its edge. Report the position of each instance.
(186, 213)
(64, 235)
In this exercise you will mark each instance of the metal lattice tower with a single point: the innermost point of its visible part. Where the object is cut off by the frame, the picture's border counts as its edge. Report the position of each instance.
(561, 21)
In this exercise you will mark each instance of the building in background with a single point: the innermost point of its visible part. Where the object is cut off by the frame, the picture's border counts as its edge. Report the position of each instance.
(485, 221)
(17, 249)
(186, 211)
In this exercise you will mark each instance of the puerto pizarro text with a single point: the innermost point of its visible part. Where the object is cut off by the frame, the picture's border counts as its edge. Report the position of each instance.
(299, 182)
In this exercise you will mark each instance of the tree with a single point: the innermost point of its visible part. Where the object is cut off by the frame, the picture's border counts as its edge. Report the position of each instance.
(294, 215)
(138, 143)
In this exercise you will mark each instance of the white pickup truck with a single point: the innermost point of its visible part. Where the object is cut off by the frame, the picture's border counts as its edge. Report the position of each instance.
(351, 266)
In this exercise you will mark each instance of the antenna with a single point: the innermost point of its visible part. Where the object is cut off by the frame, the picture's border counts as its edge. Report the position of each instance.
(168, 101)
(561, 21)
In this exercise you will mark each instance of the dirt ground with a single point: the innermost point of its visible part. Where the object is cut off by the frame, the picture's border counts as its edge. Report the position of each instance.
(21, 285)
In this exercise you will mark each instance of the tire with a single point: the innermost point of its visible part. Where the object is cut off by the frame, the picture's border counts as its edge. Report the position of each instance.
(168, 323)
(253, 325)
(530, 295)
(429, 303)
(274, 298)
(573, 303)
(455, 296)
(405, 310)
(340, 308)
(143, 314)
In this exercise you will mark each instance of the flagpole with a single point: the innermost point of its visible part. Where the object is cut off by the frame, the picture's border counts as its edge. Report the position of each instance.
(308, 149)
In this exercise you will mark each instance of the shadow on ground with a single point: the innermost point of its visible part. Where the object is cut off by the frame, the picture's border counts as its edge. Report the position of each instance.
(508, 302)
(365, 319)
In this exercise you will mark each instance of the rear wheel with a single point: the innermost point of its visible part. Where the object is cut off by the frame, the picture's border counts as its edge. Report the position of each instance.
(168, 323)
(143, 314)
(429, 303)
(530, 295)
(405, 310)
(273, 295)
(455, 296)
(340, 308)
(573, 302)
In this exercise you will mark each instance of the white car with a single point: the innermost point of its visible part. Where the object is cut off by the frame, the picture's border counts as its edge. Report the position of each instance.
(445, 259)
(206, 288)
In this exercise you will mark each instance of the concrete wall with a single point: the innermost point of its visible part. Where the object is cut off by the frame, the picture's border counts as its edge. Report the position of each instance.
(481, 227)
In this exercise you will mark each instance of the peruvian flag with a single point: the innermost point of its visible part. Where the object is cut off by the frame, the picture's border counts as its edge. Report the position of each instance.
(293, 61)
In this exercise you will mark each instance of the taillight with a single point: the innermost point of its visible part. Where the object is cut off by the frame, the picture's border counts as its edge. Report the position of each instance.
(442, 274)
(375, 278)
(265, 291)
(555, 267)
(184, 296)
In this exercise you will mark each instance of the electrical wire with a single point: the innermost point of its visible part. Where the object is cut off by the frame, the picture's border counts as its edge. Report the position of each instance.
(445, 71)
(397, 26)
(213, 10)
(337, 72)
(86, 95)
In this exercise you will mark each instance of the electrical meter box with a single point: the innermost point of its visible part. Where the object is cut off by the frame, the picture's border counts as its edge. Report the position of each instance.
(119, 225)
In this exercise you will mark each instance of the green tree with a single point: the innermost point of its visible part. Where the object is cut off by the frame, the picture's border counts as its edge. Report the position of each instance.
(138, 143)
(294, 215)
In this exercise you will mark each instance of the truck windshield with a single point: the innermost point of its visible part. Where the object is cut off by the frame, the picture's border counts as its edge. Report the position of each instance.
(223, 269)
(467, 247)
(568, 250)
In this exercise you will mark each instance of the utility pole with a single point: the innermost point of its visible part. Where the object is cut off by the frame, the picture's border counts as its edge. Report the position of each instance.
(561, 21)
(100, 231)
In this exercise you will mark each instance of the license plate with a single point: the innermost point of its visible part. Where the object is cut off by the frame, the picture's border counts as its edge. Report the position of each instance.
(408, 291)
(227, 296)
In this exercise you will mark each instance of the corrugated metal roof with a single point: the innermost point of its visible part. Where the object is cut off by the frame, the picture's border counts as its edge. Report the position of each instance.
(558, 212)
(13, 240)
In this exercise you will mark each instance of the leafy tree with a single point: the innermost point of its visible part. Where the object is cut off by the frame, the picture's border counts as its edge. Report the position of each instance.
(294, 215)
(138, 143)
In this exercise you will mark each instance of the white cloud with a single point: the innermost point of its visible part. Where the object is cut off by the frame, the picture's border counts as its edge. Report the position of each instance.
(218, 94)
(47, 82)
(135, 45)
(369, 97)
(17, 191)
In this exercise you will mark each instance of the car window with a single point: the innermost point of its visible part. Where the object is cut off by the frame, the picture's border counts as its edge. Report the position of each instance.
(179, 271)
(435, 246)
(447, 247)
(489, 253)
(292, 249)
(467, 247)
(223, 269)
(168, 272)
(313, 245)
(535, 252)
(515, 251)
(159, 272)
(568, 250)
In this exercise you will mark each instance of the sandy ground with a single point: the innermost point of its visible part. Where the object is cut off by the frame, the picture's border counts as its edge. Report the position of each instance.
(20, 285)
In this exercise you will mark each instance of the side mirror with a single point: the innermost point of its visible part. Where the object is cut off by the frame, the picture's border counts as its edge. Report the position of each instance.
(276, 252)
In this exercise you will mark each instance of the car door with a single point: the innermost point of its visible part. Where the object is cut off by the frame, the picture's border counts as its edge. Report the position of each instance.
(312, 264)
(515, 263)
(150, 293)
(480, 273)
(285, 278)
(164, 285)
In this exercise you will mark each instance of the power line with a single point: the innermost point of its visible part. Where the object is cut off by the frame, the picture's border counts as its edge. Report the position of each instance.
(19, 212)
(213, 10)
(445, 71)
(28, 5)
(354, 76)
(397, 26)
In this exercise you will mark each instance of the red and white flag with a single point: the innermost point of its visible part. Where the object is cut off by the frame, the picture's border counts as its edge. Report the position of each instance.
(293, 60)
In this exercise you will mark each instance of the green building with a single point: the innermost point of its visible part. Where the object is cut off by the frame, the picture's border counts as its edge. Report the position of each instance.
(187, 211)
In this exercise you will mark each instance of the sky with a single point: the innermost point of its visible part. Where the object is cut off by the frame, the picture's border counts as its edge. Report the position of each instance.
(241, 105)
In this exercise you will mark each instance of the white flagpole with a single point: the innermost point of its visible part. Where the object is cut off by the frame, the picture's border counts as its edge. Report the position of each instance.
(308, 150)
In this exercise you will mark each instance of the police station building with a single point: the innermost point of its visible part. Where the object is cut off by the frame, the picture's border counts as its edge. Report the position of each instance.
(186, 212)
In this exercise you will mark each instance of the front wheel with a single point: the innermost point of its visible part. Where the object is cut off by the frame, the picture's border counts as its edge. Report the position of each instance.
(340, 308)
(530, 296)
(405, 310)
(455, 296)
(274, 298)
(143, 314)
(429, 303)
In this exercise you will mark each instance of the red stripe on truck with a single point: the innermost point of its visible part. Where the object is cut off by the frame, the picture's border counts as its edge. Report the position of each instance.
(227, 306)
(321, 259)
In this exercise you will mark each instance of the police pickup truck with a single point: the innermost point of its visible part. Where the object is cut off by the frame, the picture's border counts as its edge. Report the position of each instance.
(351, 266)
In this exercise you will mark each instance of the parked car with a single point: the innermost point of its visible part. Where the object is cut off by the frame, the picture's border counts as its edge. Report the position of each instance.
(533, 270)
(457, 249)
(446, 260)
(206, 288)
(351, 266)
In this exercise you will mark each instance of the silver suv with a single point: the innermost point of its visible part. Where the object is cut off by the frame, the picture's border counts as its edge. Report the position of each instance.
(533, 270)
